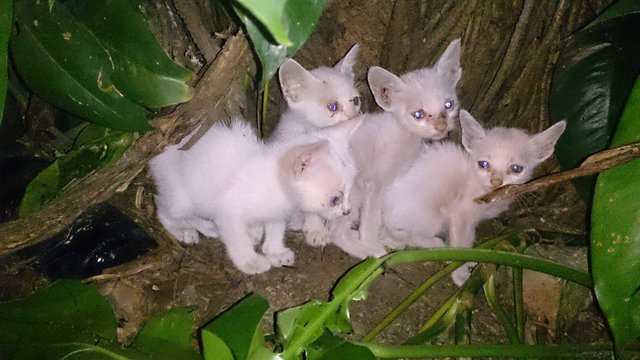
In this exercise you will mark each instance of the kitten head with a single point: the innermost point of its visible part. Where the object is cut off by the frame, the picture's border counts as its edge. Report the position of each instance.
(425, 100)
(324, 96)
(321, 172)
(505, 156)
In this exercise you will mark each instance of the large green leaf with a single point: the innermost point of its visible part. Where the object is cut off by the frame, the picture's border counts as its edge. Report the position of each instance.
(142, 71)
(96, 146)
(615, 234)
(298, 18)
(61, 318)
(591, 82)
(271, 15)
(167, 336)
(66, 65)
(331, 347)
(240, 329)
(6, 12)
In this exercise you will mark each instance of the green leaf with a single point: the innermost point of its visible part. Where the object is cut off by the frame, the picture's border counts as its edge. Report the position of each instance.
(270, 14)
(95, 148)
(6, 13)
(143, 73)
(214, 348)
(66, 65)
(168, 336)
(54, 320)
(592, 80)
(331, 347)
(298, 19)
(240, 328)
(615, 234)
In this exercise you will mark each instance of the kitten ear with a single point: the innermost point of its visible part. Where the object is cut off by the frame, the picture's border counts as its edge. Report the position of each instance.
(385, 87)
(471, 130)
(345, 65)
(543, 143)
(294, 80)
(449, 63)
(342, 131)
(297, 160)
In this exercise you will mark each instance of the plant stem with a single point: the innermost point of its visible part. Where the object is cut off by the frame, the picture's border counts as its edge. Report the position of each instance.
(420, 290)
(493, 257)
(518, 301)
(494, 304)
(265, 103)
(523, 351)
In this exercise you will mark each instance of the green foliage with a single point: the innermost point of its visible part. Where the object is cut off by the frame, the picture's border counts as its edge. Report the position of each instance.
(592, 80)
(71, 320)
(289, 24)
(95, 147)
(615, 234)
(97, 60)
(237, 333)
(6, 14)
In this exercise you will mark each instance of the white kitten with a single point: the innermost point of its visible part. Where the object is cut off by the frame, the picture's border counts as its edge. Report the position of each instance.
(230, 183)
(436, 195)
(419, 105)
(317, 98)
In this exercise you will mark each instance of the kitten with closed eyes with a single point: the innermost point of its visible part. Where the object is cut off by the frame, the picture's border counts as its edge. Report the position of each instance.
(419, 105)
(232, 185)
(436, 195)
(315, 99)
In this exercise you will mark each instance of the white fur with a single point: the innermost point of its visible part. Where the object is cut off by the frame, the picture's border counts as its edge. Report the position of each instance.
(230, 183)
(310, 92)
(387, 143)
(436, 195)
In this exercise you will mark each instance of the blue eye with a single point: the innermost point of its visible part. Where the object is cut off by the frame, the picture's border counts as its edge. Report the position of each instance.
(418, 114)
(335, 200)
(355, 101)
(333, 107)
(483, 164)
(448, 104)
(515, 168)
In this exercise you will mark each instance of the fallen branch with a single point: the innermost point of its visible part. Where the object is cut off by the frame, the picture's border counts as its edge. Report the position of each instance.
(594, 164)
(211, 97)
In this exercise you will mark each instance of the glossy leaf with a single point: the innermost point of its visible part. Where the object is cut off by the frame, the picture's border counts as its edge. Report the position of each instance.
(6, 14)
(271, 15)
(298, 18)
(55, 321)
(615, 234)
(142, 71)
(96, 147)
(66, 65)
(168, 336)
(246, 338)
(593, 77)
(331, 347)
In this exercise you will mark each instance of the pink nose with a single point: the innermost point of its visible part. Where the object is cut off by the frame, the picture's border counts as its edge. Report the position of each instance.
(440, 125)
(496, 182)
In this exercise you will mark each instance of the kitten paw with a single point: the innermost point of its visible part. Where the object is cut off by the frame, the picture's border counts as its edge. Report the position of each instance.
(189, 236)
(255, 265)
(316, 238)
(461, 274)
(283, 258)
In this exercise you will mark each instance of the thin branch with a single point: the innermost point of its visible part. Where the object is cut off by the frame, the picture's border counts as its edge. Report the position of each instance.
(594, 164)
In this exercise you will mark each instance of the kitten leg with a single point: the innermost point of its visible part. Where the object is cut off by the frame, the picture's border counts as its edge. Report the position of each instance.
(235, 236)
(371, 217)
(273, 246)
(205, 227)
(462, 233)
(314, 228)
(179, 228)
(347, 239)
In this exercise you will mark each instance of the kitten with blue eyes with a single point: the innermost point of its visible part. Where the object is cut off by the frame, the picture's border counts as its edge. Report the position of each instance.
(436, 195)
(317, 98)
(419, 105)
(233, 186)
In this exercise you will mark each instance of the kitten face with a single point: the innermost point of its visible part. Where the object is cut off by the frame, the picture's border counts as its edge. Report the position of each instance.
(324, 96)
(321, 173)
(504, 156)
(424, 101)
